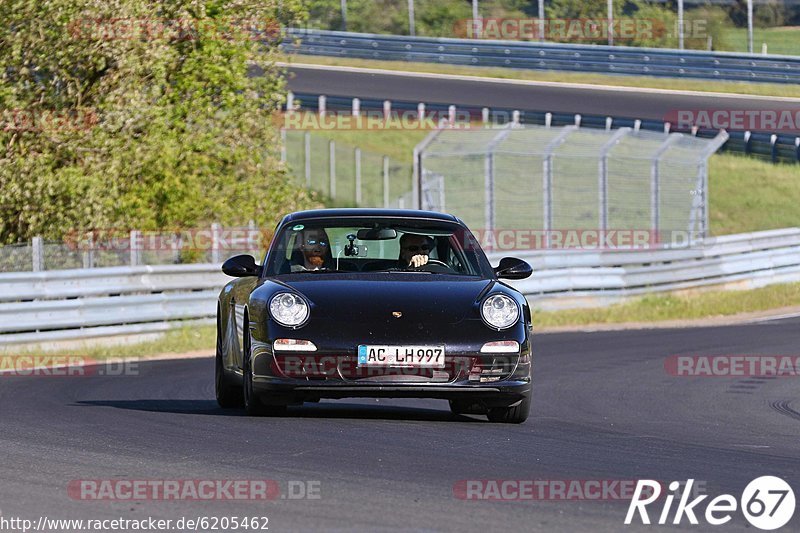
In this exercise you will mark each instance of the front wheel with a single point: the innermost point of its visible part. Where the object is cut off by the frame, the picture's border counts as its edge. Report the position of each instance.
(228, 394)
(253, 405)
(511, 415)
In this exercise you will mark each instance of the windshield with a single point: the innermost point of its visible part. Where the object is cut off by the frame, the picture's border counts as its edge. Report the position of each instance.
(370, 245)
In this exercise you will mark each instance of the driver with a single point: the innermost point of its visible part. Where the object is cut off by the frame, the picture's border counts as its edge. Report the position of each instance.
(315, 248)
(414, 250)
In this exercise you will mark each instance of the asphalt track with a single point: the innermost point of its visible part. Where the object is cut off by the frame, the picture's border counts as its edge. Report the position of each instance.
(604, 408)
(637, 103)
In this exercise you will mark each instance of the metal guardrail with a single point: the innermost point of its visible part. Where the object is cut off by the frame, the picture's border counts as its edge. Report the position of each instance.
(83, 304)
(775, 147)
(549, 56)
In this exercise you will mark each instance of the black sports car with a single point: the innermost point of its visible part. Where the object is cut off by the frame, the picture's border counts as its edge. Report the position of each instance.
(374, 303)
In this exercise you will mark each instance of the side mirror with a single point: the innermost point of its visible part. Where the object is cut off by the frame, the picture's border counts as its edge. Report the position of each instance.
(241, 266)
(512, 268)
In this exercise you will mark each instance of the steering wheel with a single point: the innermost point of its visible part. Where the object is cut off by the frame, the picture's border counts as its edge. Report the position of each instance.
(439, 266)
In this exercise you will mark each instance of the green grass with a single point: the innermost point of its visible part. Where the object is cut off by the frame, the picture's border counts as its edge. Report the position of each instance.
(734, 87)
(750, 195)
(783, 40)
(677, 306)
(178, 340)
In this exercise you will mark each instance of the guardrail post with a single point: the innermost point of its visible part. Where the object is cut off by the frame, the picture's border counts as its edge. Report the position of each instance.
(773, 144)
(420, 112)
(609, 123)
(215, 238)
(356, 107)
(548, 119)
(667, 127)
(451, 115)
(385, 181)
(357, 155)
(485, 116)
(578, 120)
(747, 145)
(307, 157)
(387, 109)
(797, 148)
(322, 104)
(134, 245)
(332, 167)
(37, 254)
(515, 117)
(289, 102)
(637, 124)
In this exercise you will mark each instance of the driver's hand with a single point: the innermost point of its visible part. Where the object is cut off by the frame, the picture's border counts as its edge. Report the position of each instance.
(418, 261)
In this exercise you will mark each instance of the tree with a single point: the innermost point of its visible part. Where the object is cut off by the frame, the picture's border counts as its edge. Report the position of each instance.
(137, 113)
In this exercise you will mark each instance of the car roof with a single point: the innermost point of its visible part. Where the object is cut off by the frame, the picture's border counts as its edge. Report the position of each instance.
(369, 212)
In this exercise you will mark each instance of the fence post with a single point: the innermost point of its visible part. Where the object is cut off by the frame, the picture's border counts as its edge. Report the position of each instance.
(358, 176)
(420, 112)
(283, 145)
(547, 181)
(451, 115)
(253, 245)
(307, 156)
(215, 235)
(88, 255)
(602, 185)
(385, 181)
(133, 245)
(332, 168)
(37, 254)
(485, 116)
(322, 104)
(356, 107)
(290, 102)
(548, 119)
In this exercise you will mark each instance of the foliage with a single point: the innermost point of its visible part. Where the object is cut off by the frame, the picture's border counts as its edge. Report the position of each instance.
(161, 123)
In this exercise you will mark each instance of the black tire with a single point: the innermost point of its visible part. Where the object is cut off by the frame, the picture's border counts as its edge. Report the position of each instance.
(229, 395)
(457, 408)
(253, 405)
(511, 415)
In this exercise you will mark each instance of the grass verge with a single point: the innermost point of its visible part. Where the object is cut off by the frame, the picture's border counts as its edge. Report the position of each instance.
(677, 306)
(178, 340)
(733, 87)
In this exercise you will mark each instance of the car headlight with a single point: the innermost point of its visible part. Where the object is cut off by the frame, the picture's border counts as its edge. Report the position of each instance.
(288, 309)
(499, 311)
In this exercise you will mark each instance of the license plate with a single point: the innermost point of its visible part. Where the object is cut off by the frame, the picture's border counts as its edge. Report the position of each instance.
(413, 356)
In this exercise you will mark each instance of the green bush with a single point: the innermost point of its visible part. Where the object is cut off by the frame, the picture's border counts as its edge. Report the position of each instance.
(157, 130)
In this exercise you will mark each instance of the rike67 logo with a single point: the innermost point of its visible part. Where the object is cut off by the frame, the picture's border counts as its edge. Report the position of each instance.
(767, 503)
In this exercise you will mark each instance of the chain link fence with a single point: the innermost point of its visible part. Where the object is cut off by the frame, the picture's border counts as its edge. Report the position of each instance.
(569, 179)
(347, 175)
(112, 247)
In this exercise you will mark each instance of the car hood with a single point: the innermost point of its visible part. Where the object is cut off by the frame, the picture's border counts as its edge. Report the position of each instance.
(419, 297)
